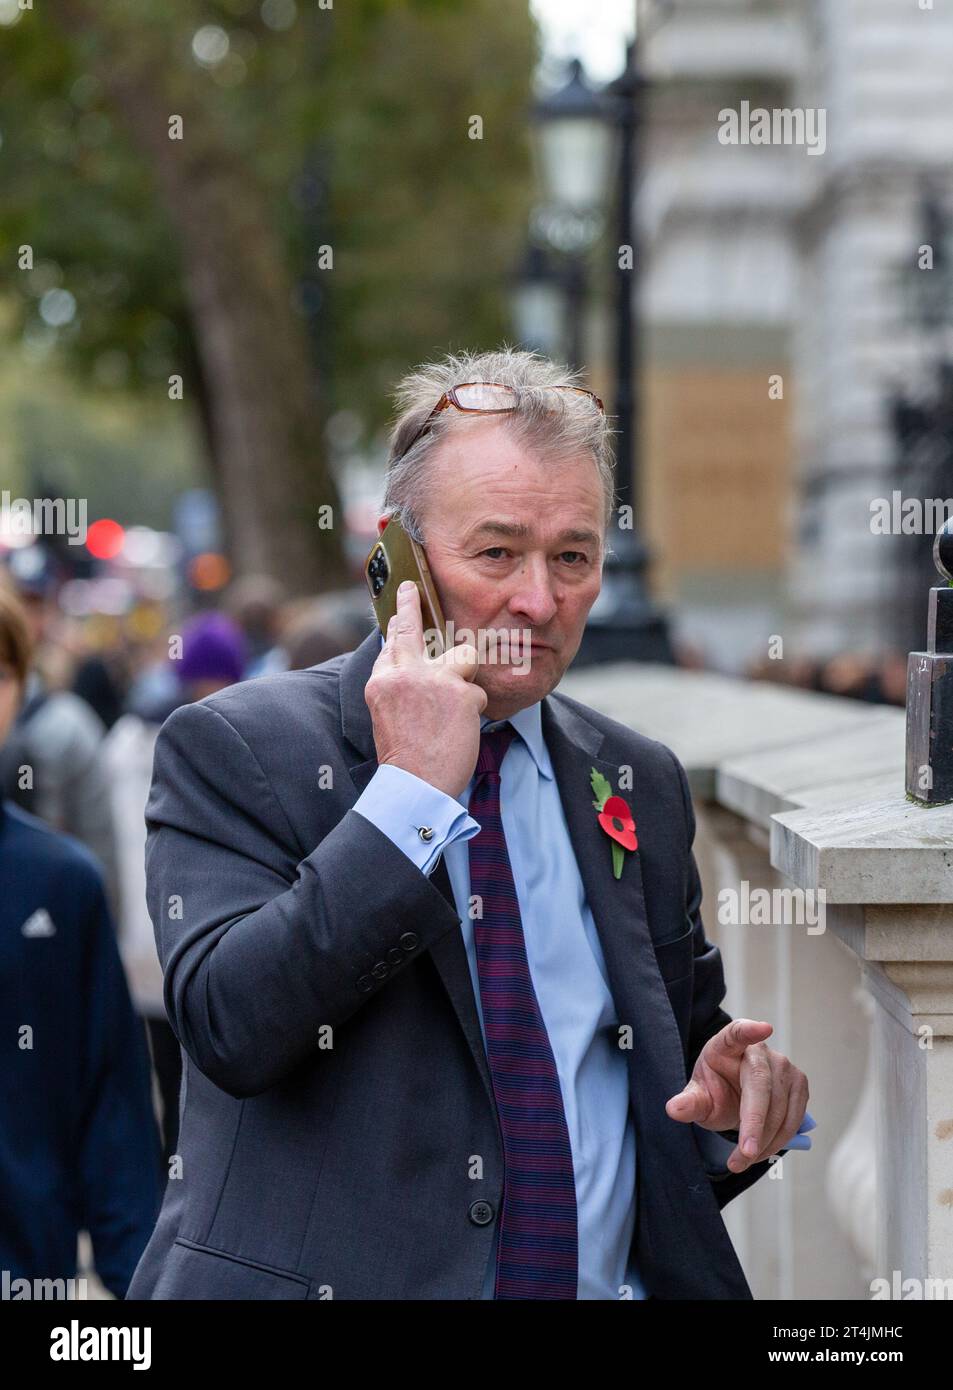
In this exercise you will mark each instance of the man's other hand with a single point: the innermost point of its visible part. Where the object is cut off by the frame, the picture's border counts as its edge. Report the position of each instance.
(739, 1083)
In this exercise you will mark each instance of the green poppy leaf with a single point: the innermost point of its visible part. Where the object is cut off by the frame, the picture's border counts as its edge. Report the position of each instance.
(601, 787)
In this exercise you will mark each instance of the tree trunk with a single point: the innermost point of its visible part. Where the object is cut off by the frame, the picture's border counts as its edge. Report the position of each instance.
(264, 413)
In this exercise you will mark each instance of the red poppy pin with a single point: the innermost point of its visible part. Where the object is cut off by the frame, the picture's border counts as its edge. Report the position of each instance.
(615, 819)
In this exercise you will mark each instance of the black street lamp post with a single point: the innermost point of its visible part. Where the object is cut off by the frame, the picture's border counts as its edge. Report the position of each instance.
(923, 422)
(575, 148)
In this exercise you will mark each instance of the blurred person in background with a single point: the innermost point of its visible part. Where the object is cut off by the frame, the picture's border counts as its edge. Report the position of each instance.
(255, 602)
(323, 628)
(800, 671)
(102, 679)
(880, 679)
(861, 676)
(50, 765)
(153, 685)
(79, 1148)
(309, 641)
(213, 657)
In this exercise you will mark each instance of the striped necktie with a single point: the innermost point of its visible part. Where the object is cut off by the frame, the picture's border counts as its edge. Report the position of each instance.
(537, 1253)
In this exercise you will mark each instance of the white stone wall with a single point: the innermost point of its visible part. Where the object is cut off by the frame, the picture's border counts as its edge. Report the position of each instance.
(768, 235)
(882, 69)
(716, 218)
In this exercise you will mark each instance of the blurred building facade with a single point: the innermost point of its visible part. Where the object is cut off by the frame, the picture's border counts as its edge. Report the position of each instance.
(767, 266)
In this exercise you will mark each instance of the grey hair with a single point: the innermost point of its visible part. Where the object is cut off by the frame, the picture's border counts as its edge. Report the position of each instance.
(557, 425)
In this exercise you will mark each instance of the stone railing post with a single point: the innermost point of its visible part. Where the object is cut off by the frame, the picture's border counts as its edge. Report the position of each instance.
(885, 866)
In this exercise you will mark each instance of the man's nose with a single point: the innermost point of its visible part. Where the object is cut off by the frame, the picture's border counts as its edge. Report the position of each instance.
(533, 596)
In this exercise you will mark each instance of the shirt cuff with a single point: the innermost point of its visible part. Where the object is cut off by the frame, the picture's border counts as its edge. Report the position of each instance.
(399, 803)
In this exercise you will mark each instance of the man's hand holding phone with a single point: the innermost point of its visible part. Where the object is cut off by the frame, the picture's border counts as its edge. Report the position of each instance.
(425, 711)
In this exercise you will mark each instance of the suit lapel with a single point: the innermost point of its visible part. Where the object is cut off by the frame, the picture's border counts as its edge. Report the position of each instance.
(617, 905)
(656, 1061)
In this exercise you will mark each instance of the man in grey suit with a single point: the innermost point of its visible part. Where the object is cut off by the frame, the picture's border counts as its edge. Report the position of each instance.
(451, 1030)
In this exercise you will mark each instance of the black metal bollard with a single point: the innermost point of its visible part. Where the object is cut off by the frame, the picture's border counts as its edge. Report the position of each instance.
(930, 690)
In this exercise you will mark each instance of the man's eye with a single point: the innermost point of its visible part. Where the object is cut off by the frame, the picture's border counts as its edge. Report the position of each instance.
(579, 556)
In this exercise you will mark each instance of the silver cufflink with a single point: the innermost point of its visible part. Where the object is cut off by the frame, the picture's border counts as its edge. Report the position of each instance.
(425, 832)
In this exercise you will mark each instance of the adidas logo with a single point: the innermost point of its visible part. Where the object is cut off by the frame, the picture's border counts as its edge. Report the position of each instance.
(39, 923)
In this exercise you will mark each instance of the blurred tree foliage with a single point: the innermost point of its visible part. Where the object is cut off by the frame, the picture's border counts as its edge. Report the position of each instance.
(349, 127)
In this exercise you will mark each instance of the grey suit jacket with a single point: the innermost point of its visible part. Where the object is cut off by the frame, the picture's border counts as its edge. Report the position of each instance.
(335, 1084)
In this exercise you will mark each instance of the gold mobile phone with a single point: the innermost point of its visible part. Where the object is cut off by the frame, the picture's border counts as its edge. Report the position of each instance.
(396, 556)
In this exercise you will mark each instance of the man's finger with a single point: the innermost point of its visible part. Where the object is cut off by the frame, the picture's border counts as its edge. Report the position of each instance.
(789, 1135)
(408, 634)
(386, 653)
(462, 658)
(690, 1106)
(755, 1103)
(783, 1081)
(738, 1035)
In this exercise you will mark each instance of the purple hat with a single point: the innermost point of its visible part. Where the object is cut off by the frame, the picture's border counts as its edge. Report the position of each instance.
(213, 649)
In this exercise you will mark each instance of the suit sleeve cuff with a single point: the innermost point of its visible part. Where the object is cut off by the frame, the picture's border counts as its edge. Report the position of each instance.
(399, 803)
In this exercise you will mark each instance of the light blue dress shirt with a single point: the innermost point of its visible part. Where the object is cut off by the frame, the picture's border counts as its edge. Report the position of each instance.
(569, 976)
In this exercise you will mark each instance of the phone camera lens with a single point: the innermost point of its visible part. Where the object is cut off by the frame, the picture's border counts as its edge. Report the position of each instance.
(377, 572)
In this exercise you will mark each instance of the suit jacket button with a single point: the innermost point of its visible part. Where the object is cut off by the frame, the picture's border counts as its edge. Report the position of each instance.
(380, 970)
(481, 1213)
(395, 957)
(409, 941)
(365, 983)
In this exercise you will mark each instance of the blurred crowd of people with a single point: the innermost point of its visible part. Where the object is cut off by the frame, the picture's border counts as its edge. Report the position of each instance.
(879, 680)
